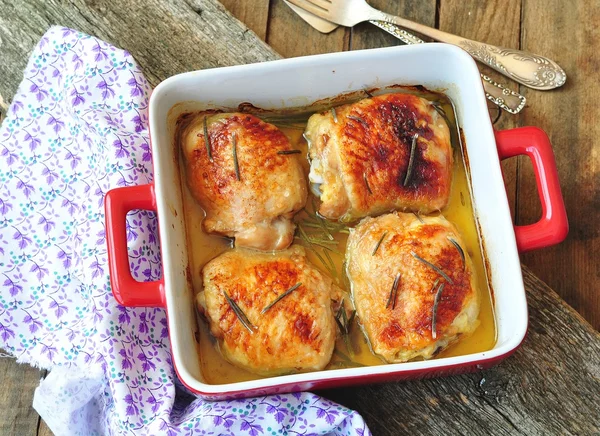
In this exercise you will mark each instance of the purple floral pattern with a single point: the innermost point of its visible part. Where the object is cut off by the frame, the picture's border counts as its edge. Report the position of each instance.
(77, 128)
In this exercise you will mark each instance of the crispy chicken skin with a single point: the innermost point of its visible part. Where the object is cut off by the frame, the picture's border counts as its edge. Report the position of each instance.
(296, 334)
(256, 209)
(405, 331)
(360, 157)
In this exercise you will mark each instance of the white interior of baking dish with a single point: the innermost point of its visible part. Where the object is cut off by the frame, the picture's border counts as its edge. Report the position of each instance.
(299, 82)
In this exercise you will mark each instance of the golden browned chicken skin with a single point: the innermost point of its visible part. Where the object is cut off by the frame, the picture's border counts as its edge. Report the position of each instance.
(295, 334)
(360, 155)
(385, 249)
(253, 203)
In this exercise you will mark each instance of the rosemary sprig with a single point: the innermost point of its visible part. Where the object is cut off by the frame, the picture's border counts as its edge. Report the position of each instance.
(411, 160)
(344, 323)
(437, 281)
(358, 119)
(282, 296)
(304, 237)
(321, 241)
(207, 140)
(322, 244)
(289, 118)
(432, 266)
(235, 159)
(286, 152)
(393, 293)
(436, 302)
(368, 93)
(310, 224)
(367, 183)
(321, 222)
(419, 217)
(332, 226)
(335, 119)
(460, 251)
(440, 110)
(241, 316)
(379, 243)
(333, 269)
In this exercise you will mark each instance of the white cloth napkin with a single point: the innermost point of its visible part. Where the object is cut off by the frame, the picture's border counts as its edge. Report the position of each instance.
(77, 127)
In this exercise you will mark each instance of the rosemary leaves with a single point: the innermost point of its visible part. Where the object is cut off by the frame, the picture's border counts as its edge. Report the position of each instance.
(436, 303)
(393, 293)
(367, 184)
(411, 159)
(235, 158)
(286, 152)
(419, 217)
(241, 316)
(281, 297)
(433, 267)
(207, 140)
(312, 245)
(358, 120)
(344, 323)
(379, 243)
(438, 108)
(460, 251)
(334, 114)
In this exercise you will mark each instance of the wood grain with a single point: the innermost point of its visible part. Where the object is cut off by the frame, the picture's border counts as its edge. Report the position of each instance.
(17, 417)
(570, 35)
(43, 429)
(254, 14)
(545, 388)
(166, 38)
(496, 22)
(291, 36)
(366, 35)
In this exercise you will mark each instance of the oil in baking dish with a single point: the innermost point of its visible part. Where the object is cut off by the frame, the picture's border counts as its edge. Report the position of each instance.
(353, 350)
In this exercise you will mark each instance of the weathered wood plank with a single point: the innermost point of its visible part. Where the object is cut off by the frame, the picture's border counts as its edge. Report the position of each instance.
(570, 35)
(44, 430)
(254, 14)
(291, 36)
(495, 22)
(366, 35)
(17, 416)
(551, 385)
(166, 37)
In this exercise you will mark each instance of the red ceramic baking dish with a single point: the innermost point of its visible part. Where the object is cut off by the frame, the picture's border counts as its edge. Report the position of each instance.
(290, 83)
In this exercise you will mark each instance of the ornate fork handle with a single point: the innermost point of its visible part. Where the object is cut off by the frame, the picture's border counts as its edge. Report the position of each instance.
(512, 102)
(529, 69)
(532, 70)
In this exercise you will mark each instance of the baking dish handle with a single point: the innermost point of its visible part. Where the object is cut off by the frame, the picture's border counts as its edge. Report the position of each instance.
(553, 227)
(128, 291)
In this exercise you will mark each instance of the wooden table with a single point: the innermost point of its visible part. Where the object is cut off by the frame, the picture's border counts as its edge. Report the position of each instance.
(552, 383)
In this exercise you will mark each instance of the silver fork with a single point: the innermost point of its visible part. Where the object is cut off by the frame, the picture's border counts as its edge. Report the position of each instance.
(534, 71)
(511, 101)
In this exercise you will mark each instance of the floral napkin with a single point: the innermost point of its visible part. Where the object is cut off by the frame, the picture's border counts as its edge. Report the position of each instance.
(76, 128)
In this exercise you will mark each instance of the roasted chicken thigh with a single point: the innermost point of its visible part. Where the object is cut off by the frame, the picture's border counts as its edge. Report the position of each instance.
(271, 313)
(389, 152)
(247, 187)
(413, 284)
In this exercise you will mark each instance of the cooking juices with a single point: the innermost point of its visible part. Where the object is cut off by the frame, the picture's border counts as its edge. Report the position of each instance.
(351, 350)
